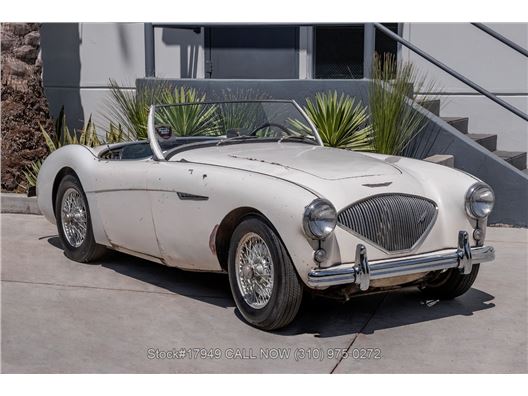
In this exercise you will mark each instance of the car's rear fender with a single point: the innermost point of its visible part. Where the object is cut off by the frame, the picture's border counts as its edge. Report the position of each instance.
(81, 162)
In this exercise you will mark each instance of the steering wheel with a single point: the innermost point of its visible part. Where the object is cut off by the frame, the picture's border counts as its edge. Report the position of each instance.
(270, 124)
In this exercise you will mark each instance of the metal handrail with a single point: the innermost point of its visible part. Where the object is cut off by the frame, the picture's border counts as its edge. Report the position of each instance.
(451, 72)
(501, 38)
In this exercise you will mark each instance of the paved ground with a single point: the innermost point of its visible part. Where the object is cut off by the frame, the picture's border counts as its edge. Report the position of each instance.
(62, 316)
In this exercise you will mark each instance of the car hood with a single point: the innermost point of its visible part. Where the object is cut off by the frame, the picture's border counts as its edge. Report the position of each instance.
(287, 159)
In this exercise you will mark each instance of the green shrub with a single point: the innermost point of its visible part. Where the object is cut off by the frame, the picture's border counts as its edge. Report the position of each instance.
(394, 120)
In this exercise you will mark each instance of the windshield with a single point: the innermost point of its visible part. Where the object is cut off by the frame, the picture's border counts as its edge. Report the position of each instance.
(233, 121)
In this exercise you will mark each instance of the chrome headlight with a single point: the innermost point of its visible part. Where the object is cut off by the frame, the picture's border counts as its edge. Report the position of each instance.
(479, 200)
(320, 219)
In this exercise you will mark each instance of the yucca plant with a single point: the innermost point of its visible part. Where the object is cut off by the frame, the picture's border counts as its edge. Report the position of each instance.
(340, 120)
(88, 136)
(115, 134)
(188, 120)
(31, 173)
(395, 122)
(242, 115)
(130, 110)
(62, 136)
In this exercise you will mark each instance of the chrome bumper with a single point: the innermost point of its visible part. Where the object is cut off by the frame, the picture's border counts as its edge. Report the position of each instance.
(362, 271)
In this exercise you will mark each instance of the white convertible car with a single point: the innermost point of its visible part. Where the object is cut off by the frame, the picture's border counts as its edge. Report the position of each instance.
(249, 189)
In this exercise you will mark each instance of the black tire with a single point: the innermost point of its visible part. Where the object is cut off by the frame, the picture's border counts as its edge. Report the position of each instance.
(88, 250)
(287, 291)
(450, 284)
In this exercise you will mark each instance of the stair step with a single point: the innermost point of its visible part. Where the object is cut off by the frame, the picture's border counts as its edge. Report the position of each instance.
(516, 158)
(525, 171)
(460, 123)
(488, 141)
(432, 105)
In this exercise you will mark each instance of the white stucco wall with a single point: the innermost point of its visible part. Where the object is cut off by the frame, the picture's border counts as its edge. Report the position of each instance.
(487, 62)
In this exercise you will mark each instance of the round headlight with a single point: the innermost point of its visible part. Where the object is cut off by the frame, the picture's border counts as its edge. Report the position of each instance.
(479, 200)
(320, 219)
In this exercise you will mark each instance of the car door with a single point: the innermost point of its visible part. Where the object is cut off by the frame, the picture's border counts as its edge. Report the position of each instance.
(183, 213)
(124, 204)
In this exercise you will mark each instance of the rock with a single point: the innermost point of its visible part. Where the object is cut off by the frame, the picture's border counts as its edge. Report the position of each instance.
(32, 38)
(23, 104)
(14, 67)
(26, 53)
(19, 29)
(7, 41)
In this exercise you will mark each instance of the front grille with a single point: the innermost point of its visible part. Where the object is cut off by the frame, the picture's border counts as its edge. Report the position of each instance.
(394, 222)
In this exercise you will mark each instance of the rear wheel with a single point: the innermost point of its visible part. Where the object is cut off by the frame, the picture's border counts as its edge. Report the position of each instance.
(450, 284)
(74, 223)
(265, 286)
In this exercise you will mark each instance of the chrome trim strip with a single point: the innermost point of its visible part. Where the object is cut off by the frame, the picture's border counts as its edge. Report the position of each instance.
(191, 197)
(363, 271)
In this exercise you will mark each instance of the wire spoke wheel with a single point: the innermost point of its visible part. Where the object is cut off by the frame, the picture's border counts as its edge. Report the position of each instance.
(254, 270)
(74, 218)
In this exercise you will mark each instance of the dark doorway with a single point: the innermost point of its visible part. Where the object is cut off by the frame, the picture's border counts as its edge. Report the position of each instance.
(339, 50)
(260, 52)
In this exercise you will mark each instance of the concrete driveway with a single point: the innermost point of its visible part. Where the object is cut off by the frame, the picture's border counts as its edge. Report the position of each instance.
(128, 315)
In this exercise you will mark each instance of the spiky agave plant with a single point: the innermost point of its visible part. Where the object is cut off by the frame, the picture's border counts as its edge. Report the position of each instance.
(128, 108)
(245, 115)
(340, 120)
(88, 137)
(190, 119)
(395, 122)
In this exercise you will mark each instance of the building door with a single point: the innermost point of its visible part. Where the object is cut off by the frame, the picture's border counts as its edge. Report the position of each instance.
(256, 52)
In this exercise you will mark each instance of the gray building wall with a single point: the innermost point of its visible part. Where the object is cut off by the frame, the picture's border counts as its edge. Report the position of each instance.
(487, 62)
(80, 58)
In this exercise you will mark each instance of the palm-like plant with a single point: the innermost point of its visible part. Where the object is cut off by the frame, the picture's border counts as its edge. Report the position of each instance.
(340, 121)
(395, 122)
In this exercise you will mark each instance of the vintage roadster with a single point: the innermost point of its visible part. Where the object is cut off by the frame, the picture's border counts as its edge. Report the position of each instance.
(249, 189)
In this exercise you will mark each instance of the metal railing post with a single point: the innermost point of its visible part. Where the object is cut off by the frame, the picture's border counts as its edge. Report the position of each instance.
(501, 38)
(369, 47)
(150, 65)
(452, 72)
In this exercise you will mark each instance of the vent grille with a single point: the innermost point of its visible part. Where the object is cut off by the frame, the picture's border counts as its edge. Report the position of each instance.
(395, 222)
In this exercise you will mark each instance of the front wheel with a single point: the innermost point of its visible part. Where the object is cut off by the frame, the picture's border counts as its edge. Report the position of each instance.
(265, 286)
(450, 284)
(74, 223)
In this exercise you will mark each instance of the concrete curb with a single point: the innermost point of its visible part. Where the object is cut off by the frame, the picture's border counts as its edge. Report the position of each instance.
(19, 203)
